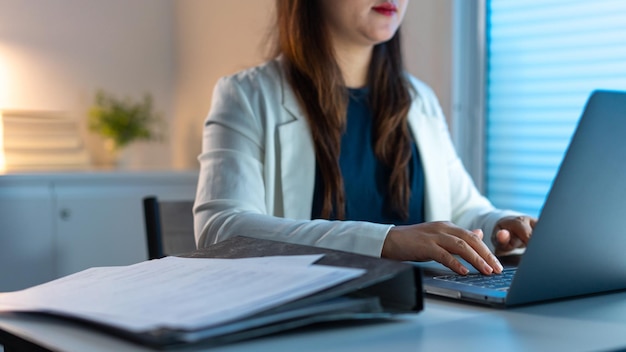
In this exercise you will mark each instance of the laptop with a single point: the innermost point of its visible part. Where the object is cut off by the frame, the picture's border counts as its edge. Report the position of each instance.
(579, 242)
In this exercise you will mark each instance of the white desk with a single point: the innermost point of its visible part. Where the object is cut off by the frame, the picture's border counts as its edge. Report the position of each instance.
(586, 324)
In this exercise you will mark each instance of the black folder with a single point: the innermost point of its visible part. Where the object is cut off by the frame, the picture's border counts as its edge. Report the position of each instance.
(387, 288)
(397, 285)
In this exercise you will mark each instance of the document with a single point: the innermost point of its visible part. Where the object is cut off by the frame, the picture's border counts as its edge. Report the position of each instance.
(179, 293)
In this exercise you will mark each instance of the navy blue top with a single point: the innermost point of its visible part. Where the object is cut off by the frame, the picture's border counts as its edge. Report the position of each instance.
(365, 178)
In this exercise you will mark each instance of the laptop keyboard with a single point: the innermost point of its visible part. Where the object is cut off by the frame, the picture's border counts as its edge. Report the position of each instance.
(500, 282)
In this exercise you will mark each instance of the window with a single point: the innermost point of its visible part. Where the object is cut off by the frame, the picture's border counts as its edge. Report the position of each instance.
(543, 59)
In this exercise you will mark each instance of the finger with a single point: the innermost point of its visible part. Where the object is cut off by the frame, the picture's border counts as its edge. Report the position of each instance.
(503, 237)
(444, 257)
(483, 251)
(515, 242)
(471, 248)
(479, 233)
(520, 227)
(506, 242)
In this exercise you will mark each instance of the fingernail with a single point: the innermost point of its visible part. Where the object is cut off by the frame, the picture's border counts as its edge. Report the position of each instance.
(487, 268)
(464, 270)
(500, 267)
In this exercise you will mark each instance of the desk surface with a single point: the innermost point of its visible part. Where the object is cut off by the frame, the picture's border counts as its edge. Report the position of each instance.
(591, 323)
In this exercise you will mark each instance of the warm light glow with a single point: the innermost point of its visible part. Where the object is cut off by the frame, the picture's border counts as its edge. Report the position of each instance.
(3, 95)
(3, 165)
(4, 79)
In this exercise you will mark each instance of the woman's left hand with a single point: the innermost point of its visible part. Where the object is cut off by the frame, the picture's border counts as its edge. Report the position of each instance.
(512, 232)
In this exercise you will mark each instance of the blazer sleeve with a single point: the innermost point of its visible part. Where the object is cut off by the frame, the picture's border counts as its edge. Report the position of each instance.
(235, 193)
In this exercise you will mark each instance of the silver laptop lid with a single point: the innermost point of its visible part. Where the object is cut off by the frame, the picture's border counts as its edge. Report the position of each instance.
(579, 244)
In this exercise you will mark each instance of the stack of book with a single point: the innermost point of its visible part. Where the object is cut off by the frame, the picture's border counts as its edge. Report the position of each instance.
(42, 140)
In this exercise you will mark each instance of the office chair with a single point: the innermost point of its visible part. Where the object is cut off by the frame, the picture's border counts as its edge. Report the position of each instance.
(169, 227)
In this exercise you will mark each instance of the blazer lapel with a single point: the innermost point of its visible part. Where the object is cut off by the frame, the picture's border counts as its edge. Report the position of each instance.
(425, 130)
(297, 159)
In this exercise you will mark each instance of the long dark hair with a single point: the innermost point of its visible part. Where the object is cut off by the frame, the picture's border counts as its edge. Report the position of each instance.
(302, 39)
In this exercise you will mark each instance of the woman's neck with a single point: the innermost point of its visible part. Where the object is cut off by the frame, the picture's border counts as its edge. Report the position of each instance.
(354, 62)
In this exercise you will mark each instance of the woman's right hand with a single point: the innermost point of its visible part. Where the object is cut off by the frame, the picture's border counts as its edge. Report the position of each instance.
(439, 241)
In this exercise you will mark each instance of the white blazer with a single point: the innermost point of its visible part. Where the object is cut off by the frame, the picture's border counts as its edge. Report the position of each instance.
(257, 169)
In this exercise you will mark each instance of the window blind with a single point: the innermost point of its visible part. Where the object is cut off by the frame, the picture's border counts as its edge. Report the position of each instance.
(544, 58)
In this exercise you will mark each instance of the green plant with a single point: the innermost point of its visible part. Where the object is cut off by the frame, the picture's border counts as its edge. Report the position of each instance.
(124, 120)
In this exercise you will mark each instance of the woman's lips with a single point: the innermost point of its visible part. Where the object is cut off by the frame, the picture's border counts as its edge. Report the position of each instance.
(386, 8)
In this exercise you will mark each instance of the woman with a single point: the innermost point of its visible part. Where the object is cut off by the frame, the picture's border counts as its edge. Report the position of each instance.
(332, 144)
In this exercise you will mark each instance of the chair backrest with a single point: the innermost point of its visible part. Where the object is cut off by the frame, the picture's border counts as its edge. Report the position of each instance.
(169, 227)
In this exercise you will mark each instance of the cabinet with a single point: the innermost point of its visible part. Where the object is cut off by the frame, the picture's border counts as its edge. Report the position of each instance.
(52, 225)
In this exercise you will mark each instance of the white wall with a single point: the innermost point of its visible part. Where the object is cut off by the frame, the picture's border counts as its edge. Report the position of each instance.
(211, 42)
(56, 53)
(427, 33)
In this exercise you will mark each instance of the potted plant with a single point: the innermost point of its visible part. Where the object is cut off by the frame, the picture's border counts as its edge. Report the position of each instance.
(123, 121)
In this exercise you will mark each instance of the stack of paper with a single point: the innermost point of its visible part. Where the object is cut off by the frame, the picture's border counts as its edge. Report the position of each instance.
(200, 297)
(42, 140)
